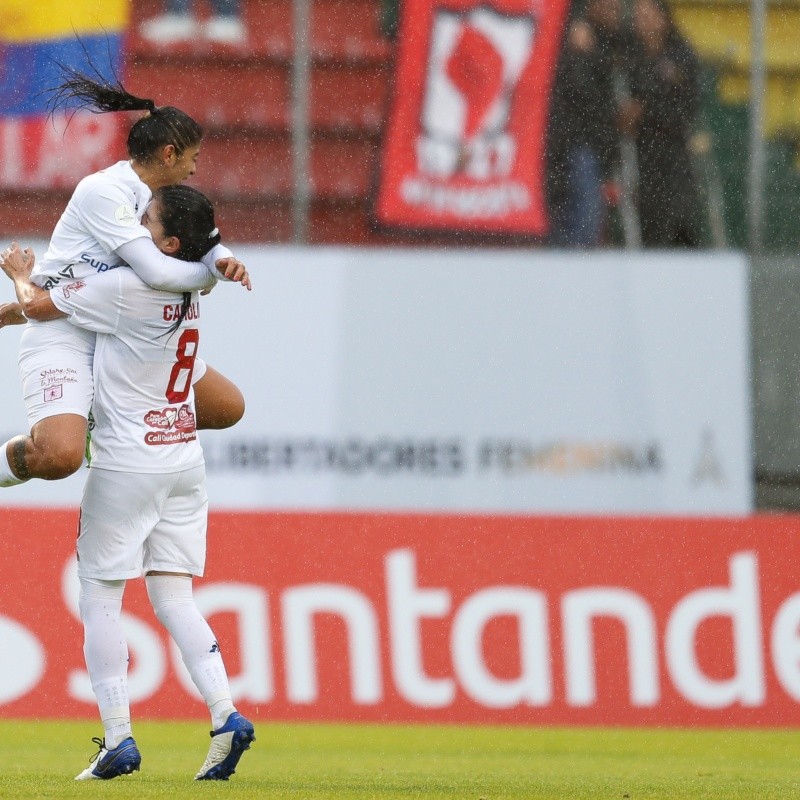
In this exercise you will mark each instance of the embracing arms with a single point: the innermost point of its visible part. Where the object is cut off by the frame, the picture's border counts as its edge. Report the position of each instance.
(33, 302)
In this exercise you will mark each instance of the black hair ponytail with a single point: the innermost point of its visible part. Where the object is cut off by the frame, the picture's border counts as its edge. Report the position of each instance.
(160, 127)
(97, 95)
(188, 215)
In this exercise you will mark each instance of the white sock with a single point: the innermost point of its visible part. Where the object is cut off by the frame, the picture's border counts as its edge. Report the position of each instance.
(174, 605)
(105, 650)
(7, 477)
(220, 711)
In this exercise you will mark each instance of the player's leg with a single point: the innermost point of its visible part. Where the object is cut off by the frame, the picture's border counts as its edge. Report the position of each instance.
(55, 366)
(173, 602)
(173, 553)
(117, 513)
(174, 605)
(218, 401)
(105, 651)
(53, 450)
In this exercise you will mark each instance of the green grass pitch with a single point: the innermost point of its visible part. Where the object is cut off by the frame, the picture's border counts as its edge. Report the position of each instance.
(399, 762)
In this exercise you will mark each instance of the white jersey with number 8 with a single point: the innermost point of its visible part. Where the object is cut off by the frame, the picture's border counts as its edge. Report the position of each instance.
(143, 402)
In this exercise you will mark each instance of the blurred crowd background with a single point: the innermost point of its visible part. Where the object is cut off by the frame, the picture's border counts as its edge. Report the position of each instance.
(647, 131)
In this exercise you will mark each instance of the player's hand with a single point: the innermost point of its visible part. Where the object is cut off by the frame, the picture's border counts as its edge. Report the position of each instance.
(16, 262)
(11, 314)
(235, 271)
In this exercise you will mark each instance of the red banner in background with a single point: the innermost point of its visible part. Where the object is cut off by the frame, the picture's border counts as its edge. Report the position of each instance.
(464, 146)
(56, 152)
(440, 619)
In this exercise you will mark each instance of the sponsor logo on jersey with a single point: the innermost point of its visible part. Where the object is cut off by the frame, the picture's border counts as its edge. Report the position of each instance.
(169, 437)
(76, 286)
(173, 425)
(64, 272)
(57, 377)
(100, 266)
(53, 393)
(125, 215)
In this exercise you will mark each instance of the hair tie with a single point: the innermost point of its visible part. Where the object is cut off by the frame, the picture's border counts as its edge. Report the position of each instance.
(213, 233)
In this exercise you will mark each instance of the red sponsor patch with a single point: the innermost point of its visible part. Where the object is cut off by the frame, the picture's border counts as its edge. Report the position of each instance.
(181, 421)
(75, 286)
(161, 419)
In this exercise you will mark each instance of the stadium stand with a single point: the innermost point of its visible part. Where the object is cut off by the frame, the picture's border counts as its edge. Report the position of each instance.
(720, 31)
(242, 96)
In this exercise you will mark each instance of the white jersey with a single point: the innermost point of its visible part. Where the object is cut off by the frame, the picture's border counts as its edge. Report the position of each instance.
(104, 212)
(143, 402)
(103, 215)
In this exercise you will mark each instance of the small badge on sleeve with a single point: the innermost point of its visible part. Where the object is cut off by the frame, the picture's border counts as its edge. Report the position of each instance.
(125, 215)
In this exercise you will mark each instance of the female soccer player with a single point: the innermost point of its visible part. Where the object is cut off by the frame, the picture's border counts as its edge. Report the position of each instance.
(99, 230)
(144, 508)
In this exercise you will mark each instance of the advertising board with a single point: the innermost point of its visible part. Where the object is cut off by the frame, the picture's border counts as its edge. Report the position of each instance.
(471, 381)
(439, 618)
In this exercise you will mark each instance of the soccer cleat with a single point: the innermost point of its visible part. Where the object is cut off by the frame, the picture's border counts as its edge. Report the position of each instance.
(227, 745)
(106, 764)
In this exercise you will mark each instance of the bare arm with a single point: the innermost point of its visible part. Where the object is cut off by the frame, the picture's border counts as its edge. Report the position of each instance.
(228, 268)
(11, 314)
(35, 303)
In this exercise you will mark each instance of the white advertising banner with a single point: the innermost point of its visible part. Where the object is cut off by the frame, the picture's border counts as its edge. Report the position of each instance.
(475, 381)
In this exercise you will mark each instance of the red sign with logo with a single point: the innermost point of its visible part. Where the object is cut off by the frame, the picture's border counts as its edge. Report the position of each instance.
(439, 618)
(56, 152)
(464, 147)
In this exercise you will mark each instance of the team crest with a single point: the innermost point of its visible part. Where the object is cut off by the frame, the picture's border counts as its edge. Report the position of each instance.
(475, 61)
(464, 148)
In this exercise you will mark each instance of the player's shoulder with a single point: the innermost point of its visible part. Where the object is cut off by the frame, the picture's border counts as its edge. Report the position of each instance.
(118, 178)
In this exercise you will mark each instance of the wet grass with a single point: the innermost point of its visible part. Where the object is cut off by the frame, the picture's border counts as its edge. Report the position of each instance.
(388, 762)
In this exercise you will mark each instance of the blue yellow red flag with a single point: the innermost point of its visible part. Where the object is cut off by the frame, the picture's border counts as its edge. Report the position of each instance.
(36, 36)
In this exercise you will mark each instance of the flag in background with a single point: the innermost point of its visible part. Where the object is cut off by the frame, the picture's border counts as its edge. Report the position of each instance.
(37, 152)
(464, 145)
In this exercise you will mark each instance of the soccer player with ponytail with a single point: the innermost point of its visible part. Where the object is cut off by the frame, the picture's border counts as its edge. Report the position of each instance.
(101, 230)
(144, 507)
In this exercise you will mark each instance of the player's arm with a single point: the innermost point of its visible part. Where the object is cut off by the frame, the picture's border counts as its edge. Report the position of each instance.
(11, 314)
(34, 302)
(107, 211)
(160, 271)
(227, 266)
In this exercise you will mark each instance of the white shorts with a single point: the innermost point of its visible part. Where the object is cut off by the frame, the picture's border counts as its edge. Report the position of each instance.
(55, 367)
(132, 523)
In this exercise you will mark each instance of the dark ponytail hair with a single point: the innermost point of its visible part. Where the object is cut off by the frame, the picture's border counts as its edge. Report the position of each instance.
(188, 215)
(159, 127)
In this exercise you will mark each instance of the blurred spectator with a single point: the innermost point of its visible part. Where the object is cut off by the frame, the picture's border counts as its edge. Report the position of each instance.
(178, 24)
(583, 147)
(665, 98)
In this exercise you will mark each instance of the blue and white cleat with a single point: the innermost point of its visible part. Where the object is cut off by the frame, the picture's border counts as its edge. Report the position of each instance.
(227, 745)
(122, 760)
